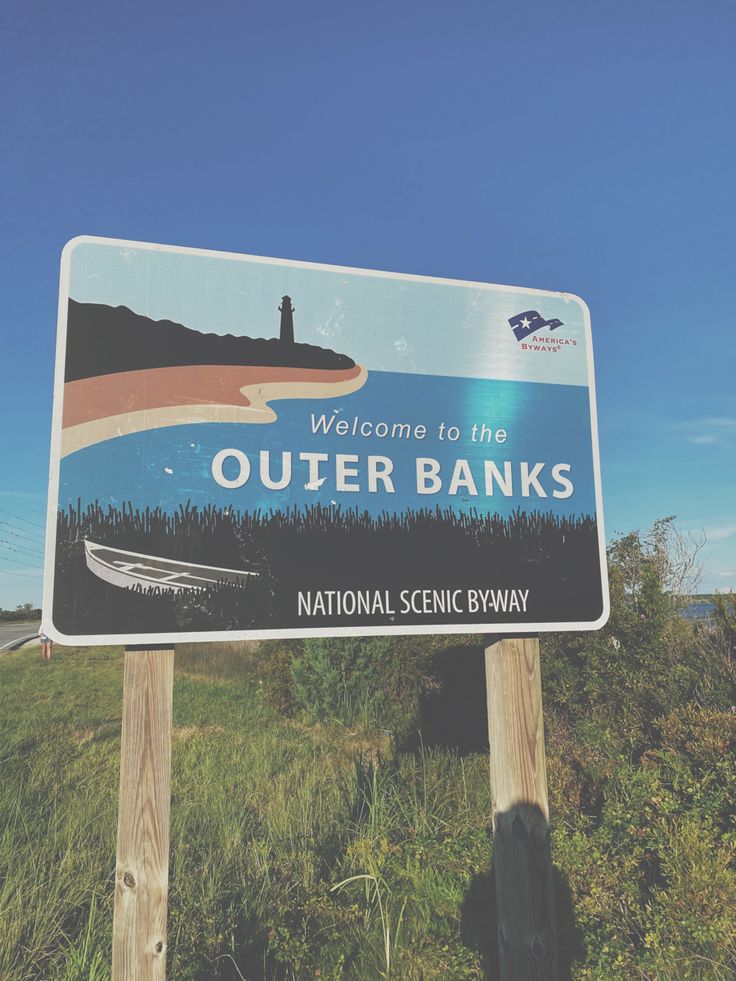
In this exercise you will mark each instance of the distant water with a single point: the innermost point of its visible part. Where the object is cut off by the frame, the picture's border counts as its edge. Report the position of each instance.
(167, 467)
(698, 611)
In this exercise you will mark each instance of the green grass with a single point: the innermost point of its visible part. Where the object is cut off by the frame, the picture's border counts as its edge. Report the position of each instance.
(320, 851)
(268, 817)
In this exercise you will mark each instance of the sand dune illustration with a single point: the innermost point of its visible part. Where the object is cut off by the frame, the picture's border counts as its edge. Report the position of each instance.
(101, 408)
(126, 374)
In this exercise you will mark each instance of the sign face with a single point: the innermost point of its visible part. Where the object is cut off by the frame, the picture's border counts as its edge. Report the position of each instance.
(250, 448)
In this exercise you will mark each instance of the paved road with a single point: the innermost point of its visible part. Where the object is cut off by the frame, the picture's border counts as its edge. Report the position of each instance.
(11, 631)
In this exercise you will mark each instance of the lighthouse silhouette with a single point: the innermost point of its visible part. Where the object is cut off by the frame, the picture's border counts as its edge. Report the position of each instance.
(287, 321)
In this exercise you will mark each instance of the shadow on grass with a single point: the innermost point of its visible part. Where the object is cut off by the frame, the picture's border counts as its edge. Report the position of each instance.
(479, 928)
(454, 716)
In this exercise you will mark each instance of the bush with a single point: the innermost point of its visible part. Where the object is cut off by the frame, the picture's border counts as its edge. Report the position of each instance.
(23, 611)
(646, 662)
(271, 669)
(371, 681)
(343, 679)
(725, 620)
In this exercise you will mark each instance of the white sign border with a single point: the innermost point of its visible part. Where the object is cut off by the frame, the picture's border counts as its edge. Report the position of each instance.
(162, 639)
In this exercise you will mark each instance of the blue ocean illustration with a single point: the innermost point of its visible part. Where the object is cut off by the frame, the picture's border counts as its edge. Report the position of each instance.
(542, 423)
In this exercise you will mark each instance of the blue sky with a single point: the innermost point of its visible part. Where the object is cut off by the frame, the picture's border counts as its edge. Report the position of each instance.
(579, 147)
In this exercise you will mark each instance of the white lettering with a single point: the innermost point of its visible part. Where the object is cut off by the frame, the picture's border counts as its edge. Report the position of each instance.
(528, 479)
(567, 486)
(342, 471)
(506, 483)
(428, 481)
(218, 462)
(268, 483)
(380, 468)
(462, 477)
(314, 460)
(322, 424)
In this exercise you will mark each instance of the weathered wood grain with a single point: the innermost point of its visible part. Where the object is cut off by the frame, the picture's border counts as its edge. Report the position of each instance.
(521, 845)
(142, 866)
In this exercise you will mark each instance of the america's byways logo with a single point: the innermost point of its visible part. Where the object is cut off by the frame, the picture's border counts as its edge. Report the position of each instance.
(524, 324)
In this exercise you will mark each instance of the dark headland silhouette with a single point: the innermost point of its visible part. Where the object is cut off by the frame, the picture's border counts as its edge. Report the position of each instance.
(103, 340)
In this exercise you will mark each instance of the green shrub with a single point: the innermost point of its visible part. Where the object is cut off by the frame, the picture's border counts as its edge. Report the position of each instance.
(343, 679)
(271, 670)
(725, 617)
(690, 917)
(371, 681)
(610, 685)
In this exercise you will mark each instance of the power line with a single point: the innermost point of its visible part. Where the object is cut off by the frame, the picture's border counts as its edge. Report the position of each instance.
(35, 546)
(24, 507)
(22, 546)
(18, 518)
(18, 561)
(22, 542)
(12, 547)
(26, 538)
(26, 531)
(24, 575)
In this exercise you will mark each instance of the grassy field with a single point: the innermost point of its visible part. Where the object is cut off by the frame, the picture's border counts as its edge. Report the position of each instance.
(268, 819)
(345, 850)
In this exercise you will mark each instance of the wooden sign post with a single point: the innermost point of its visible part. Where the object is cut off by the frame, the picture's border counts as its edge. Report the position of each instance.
(521, 843)
(436, 472)
(142, 863)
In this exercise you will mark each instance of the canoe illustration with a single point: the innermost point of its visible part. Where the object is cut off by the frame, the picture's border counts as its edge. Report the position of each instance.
(148, 572)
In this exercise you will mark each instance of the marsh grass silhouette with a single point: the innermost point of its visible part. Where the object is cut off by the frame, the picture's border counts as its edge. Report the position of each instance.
(555, 558)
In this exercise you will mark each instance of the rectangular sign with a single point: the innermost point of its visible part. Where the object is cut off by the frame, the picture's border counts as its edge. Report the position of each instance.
(248, 448)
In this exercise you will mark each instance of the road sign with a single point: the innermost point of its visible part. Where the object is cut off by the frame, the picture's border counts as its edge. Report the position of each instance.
(250, 447)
